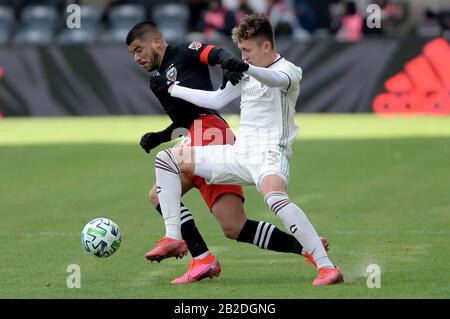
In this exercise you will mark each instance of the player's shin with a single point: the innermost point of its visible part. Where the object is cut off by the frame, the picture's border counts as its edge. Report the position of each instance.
(169, 192)
(295, 220)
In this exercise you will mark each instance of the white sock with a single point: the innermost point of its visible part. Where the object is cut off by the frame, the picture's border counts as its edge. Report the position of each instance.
(201, 256)
(295, 220)
(169, 192)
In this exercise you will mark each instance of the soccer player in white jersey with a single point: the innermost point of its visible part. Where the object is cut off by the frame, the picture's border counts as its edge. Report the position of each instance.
(269, 91)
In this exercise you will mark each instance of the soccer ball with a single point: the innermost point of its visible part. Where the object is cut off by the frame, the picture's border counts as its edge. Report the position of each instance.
(101, 237)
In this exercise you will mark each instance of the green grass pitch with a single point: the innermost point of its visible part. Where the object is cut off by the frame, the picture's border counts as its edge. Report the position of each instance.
(378, 188)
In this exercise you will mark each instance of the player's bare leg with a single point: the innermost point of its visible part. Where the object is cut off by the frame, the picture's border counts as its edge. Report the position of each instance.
(169, 164)
(229, 212)
(233, 221)
(273, 188)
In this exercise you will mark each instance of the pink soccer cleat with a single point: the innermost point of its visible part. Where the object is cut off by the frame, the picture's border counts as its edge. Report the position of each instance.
(167, 247)
(328, 276)
(200, 269)
(309, 257)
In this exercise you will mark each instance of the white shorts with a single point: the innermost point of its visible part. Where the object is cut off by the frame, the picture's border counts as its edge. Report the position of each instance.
(229, 165)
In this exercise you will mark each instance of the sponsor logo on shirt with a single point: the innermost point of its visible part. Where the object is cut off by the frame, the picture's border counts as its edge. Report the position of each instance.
(171, 73)
(195, 45)
(254, 92)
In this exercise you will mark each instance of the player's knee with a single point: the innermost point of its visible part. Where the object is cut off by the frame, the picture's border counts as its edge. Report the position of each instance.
(231, 232)
(229, 211)
(153, 196)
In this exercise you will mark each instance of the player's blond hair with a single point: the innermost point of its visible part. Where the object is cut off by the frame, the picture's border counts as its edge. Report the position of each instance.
(255, 25)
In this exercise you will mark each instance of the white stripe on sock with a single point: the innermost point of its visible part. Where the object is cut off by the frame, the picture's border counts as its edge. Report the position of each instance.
(272, 227)
(183, 220)
(262, 235)
(255, 240)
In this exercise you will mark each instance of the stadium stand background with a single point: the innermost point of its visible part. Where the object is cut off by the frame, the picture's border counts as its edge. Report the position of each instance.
(48, 69)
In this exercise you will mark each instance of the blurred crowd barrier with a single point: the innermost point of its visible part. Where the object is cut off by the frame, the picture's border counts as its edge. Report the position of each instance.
(108, 21)
(380, 74)
(422, 87)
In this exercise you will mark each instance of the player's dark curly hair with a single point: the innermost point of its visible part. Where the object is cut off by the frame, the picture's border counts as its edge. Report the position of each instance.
(140, 30)
(255, 25)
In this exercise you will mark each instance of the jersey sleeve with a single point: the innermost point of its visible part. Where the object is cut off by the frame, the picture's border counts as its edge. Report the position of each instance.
(269, 77)
(197, 52)
(214, 100)
(294, 73)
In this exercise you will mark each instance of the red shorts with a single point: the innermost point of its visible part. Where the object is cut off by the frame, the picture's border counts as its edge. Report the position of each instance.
(211, 130)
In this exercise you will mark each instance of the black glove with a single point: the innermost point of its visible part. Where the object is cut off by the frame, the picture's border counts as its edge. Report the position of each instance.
(150, 140)
(236, 65)
(233, 77)
(160, 84)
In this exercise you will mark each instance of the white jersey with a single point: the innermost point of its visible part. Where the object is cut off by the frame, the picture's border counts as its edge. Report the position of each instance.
(267, 114)
(267, 128)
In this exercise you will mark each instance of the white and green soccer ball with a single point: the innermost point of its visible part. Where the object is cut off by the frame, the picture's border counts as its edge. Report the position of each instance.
(101, 237)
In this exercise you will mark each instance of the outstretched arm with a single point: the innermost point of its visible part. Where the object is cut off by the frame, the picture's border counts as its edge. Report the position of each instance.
(269, 77)
(212, 55)
(213, 100)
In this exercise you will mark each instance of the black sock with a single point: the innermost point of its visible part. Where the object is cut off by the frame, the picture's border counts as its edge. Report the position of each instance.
(267, 236)
(189, 232)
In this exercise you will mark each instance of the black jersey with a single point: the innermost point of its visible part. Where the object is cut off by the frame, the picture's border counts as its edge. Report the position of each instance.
(186, 63)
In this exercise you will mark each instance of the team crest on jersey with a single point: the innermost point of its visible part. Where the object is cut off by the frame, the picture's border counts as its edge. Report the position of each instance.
(171, 73)
(195, 45)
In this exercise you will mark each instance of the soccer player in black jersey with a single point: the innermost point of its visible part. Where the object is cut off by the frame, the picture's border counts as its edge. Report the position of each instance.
(187, 63)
